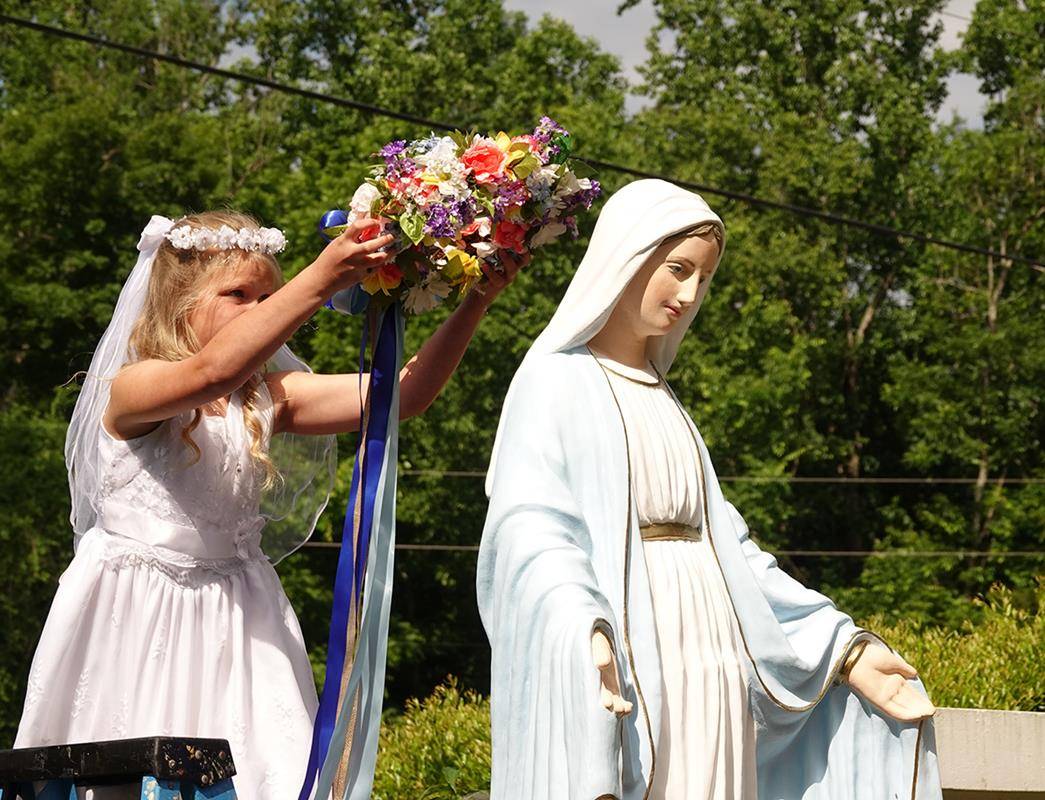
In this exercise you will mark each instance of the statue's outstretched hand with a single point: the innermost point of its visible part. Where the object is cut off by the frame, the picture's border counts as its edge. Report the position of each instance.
(880, 677)
(609, 681)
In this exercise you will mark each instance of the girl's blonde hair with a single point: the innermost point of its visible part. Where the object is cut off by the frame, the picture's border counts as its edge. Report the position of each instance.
(175, 287)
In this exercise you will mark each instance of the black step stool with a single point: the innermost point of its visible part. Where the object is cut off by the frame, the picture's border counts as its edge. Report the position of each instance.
(166, 768)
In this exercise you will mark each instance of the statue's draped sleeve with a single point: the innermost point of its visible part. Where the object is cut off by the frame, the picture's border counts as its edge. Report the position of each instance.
(540, 603)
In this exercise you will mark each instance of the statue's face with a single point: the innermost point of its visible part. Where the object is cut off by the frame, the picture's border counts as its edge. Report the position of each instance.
(667, 286)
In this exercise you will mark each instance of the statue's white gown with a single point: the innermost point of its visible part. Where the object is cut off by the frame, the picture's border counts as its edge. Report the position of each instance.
(706, 743)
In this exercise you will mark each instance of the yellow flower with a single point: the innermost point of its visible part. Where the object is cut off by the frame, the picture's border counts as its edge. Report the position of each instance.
(383, 279)
(462, 268)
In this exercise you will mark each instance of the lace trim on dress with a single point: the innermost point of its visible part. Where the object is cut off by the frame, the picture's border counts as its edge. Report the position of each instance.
(177, 568)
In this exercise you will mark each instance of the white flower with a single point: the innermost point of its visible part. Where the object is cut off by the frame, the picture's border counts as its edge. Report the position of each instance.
(548, 233)
(205, 239)
(571, 184)
(226, 237)
(485, 226)
(454, 182)
(245, 239)
(272, 240)
(427, 296)
(180, 237)
(265, 240)
(442, 155)
(484, 249)
(437, 286)
(363, 199)
(542, 179)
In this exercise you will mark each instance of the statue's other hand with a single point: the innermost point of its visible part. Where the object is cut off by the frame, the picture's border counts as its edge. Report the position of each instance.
(880, 676)
(609, 681)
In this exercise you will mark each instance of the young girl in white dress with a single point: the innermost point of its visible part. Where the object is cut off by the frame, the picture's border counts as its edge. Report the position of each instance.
(200, 452)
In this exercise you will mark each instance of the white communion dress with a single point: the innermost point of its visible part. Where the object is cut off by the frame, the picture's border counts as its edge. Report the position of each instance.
(705, 748)
(170, 620)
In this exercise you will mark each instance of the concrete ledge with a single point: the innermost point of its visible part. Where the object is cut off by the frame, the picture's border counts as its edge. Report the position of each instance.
(984, 755)
(991, 755)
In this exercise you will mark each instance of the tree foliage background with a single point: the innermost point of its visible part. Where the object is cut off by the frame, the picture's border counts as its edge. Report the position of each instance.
(823, 350)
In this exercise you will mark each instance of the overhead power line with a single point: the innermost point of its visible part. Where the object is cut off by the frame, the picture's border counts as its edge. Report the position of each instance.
(872, 480)
(472, 548)
(344, 102)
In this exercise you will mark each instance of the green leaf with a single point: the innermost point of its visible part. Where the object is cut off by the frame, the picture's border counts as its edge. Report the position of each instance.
(413, 226)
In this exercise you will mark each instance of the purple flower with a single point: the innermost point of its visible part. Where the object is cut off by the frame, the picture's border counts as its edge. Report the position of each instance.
(393, 149)
(463, 211)
(588, 196)
(546, 129)
(513, 193)
(439, 223)
(397, 163)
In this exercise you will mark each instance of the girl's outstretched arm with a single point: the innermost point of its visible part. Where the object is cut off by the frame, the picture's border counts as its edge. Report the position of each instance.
(319, 404)
(150, 391)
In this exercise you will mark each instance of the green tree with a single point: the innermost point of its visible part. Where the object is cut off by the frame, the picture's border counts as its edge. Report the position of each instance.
(966, 374)
(798, 362)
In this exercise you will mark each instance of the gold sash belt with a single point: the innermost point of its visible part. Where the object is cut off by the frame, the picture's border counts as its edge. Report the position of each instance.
(669, 532)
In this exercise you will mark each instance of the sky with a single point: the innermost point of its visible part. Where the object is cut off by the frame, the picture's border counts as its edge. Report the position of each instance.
(625, 36)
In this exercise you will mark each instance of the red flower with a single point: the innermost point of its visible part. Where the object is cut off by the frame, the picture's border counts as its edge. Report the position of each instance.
(367, 234)
(510, 236)
(384, 279)
(486, 161)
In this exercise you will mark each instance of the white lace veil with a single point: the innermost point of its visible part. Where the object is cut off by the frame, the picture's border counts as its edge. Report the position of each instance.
(306, 463)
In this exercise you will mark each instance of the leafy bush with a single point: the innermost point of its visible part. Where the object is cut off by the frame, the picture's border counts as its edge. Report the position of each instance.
(994, 663)
(437, 748)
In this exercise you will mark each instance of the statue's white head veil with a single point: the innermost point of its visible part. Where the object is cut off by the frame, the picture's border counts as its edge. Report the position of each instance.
(633, 223)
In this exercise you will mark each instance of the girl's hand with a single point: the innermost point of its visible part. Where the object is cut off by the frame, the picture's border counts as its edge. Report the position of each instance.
(609, 682)
(880, 677)
(354, 254)
(499, 280)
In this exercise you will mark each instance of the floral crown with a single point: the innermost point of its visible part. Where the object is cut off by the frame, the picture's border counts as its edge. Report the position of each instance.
(251, 240)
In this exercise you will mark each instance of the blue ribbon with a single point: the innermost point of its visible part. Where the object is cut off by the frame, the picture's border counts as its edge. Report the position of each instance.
(332, 223)
(352, 563)
(353, 300)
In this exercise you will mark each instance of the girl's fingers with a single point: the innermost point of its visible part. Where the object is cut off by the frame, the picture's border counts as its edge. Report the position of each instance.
(376, 243)
(513, 263)
(358, 225)
(371, 259)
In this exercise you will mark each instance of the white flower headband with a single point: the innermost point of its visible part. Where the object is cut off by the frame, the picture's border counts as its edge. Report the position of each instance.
(252, 240)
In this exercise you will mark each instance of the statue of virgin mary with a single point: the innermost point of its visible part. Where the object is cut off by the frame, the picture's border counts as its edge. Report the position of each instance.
(644, 646)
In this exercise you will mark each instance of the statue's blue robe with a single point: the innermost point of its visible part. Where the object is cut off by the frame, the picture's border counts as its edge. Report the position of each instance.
(561, 553)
